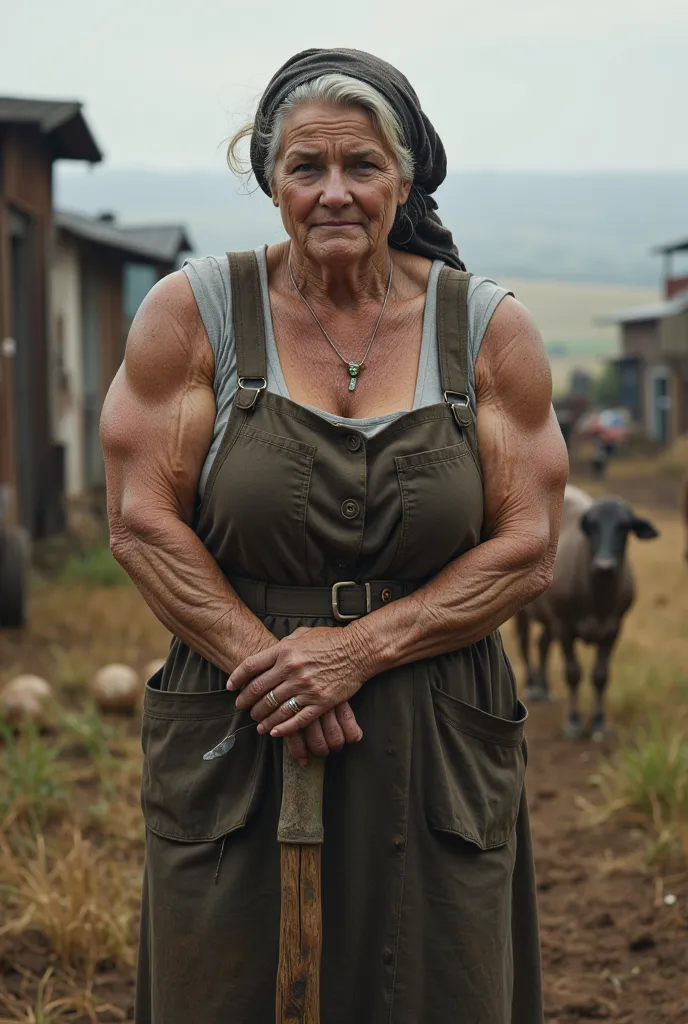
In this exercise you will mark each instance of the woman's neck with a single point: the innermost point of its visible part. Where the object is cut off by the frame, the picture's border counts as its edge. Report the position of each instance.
(344, 285)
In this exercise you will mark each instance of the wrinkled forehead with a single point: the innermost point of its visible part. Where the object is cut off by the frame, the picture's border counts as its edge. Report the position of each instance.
(318, 127)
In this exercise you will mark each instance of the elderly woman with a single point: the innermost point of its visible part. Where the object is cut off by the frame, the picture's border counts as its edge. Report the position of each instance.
(334, 472)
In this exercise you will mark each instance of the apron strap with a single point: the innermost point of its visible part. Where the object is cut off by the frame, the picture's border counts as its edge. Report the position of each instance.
(249, 328)
(453, 342)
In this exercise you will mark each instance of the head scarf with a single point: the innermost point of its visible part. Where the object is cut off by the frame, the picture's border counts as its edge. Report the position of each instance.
(417, 227)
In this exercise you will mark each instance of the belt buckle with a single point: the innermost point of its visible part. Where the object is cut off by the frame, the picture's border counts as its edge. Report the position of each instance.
(339, 616)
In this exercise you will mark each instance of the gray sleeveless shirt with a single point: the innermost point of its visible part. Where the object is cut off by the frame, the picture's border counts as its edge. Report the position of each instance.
(209, 280)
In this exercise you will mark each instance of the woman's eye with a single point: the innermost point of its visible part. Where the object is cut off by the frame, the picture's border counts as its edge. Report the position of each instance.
(303, 167)
(366, 165)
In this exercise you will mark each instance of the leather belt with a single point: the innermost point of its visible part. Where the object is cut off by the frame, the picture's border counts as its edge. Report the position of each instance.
(343, 601)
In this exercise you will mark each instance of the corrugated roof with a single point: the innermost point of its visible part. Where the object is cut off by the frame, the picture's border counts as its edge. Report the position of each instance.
(654, 311)
(61, 120)
(153, 245)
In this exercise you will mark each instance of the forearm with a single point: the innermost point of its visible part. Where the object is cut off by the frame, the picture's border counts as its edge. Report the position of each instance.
(185, 588)
(466, 601)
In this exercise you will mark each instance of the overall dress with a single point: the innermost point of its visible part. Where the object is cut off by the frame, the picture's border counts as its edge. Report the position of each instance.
(429, 912)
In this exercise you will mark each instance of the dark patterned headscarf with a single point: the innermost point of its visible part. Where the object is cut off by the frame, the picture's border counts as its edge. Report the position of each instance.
(417, 227)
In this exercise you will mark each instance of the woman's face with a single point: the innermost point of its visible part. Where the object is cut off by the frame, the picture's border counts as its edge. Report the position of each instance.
(336, 184)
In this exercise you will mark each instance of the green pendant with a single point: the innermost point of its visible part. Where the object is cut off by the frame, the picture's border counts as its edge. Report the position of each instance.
(354, 370)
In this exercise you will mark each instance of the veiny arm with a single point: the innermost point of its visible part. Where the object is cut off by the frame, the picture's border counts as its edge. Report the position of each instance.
(156, 428)
(525, 466)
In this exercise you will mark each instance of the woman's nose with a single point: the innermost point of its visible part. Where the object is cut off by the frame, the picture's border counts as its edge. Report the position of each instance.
(335, 191)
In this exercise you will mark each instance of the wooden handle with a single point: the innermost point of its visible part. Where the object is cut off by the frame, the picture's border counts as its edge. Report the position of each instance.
(300, 831)
(302, 790)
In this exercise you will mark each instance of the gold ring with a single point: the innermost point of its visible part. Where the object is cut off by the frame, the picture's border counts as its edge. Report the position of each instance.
(293, 705)
(271, 699)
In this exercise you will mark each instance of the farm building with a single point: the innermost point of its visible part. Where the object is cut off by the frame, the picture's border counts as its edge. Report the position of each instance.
(653, 365)
(69, 286)
(100, 273)
(33, 134)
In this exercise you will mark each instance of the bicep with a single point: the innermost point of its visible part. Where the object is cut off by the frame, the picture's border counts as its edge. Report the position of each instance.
(157, 420)
(523, 454)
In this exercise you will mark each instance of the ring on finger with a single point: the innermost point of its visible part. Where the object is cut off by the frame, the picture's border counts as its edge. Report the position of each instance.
(271, 699)
(293, 705)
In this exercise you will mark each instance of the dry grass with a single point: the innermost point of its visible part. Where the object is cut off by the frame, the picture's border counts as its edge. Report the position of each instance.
(77, 897)
(71, 848)
(46, 1009)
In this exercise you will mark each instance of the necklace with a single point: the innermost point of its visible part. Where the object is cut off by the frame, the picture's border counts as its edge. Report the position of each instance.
(353, 368)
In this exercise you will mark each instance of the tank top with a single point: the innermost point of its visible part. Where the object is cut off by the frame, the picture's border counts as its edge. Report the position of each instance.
(210, 283)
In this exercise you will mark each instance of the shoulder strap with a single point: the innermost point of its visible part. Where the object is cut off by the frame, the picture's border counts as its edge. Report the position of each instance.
(453, 341)
(249, 327)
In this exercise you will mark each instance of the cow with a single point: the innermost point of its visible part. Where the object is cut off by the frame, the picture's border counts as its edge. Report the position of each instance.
(592, 589)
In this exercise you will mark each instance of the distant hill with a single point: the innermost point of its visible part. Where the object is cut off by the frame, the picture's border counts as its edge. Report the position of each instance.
(594, 228)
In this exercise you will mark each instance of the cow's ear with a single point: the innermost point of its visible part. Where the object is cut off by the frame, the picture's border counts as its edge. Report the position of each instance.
(643, 529)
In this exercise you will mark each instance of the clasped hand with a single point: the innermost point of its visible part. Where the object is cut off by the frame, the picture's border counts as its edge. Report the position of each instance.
(319, 668)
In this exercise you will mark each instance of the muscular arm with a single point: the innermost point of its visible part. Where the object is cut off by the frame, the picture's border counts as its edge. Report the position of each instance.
(156, 429)
(525, 467)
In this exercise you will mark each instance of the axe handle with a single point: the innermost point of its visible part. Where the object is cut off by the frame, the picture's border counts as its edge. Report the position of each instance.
(300, 833)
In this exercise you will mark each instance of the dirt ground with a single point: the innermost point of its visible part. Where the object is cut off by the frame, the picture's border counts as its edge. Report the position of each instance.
(614, 930)
(612, 949)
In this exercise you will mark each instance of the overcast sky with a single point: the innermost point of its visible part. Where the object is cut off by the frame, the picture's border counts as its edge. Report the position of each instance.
(509, 84)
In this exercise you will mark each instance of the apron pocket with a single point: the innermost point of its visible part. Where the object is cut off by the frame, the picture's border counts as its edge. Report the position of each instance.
(475, 770)
(184, 797)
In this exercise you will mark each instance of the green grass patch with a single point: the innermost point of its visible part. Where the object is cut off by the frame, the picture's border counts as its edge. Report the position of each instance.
(33, 784)
(94, 568)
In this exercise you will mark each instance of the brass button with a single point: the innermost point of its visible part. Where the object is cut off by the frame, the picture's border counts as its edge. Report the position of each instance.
(387, 956)
(353, 442)
(350, 508)
(398, 843)
(386, 594)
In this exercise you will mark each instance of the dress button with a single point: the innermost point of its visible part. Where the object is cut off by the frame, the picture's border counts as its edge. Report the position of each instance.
(387, 956)
(390, 751)
(398, 843)
(350, 508)
(353, 442)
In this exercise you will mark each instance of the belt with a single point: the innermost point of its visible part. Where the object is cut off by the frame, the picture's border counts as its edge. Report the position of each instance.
(343, 601)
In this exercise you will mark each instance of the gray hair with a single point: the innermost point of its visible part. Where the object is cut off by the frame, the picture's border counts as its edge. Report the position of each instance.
(343, 91)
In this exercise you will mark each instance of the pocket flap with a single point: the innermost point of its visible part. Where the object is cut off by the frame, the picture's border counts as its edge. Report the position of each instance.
(475, 771)
(184, 797)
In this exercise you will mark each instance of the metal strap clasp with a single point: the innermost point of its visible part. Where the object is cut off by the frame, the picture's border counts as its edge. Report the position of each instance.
(460, 405)
(339, 616)
(253, 387)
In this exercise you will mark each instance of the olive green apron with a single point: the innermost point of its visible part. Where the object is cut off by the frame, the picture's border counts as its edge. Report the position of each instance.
(429, 913)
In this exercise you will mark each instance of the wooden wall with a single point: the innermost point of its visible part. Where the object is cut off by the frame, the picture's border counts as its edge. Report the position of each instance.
(26, 187)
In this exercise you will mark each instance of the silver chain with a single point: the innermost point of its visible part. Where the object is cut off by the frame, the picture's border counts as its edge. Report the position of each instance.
(348, 362)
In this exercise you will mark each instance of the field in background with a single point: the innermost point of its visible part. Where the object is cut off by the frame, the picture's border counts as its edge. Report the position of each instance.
(72, 835)
(566, 314)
